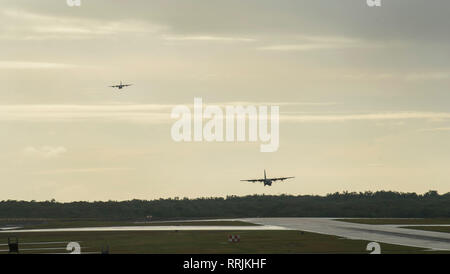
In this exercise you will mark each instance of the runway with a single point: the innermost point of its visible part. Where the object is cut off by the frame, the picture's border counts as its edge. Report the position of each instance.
(391, 234)
(149, 228)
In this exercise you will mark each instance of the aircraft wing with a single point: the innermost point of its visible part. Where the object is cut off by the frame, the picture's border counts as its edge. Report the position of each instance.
(280, 179)
(126, 85)
(113, 86)
(253, 180)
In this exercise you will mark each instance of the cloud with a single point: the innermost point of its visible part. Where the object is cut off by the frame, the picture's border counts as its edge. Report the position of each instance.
(34, 65)
(149, 113)
(207, 38)
(443, 129)
(410, 77)
(160, 113)
(428, 76)
(153, 113)
(307, 43)
(367, 117)
(45, 151)
(245, 103)
(298, 47)
(368, 76)
(24, 25)
(84, 170)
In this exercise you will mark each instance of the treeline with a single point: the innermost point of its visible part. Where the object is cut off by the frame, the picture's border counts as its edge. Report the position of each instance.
(347, 204)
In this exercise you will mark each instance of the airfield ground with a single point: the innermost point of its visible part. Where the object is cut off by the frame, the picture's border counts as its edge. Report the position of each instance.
(200, 242)
(176, 240)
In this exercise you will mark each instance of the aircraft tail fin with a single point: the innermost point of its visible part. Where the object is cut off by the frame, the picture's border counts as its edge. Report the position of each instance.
(265, 174)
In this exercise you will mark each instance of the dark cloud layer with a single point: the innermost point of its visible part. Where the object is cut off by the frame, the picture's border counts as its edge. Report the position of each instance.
(396, 20)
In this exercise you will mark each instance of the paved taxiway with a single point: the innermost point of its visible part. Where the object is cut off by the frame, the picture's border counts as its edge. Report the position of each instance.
(392, 234)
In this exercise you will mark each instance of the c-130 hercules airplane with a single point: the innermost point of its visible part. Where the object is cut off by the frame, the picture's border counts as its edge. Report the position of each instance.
(267, 181)
(120, 86)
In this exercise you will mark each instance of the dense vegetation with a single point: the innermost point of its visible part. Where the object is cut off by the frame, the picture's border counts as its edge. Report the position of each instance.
(346, 204)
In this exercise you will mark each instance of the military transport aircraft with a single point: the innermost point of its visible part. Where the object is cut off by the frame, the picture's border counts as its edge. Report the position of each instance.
(120, 86)
(267, 181)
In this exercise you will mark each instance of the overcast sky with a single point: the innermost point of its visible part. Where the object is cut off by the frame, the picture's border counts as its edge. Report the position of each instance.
(363, 95)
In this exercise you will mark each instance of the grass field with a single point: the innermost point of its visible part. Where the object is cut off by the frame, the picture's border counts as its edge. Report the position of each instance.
(445, 229)
(399, 221)
(172, 242)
